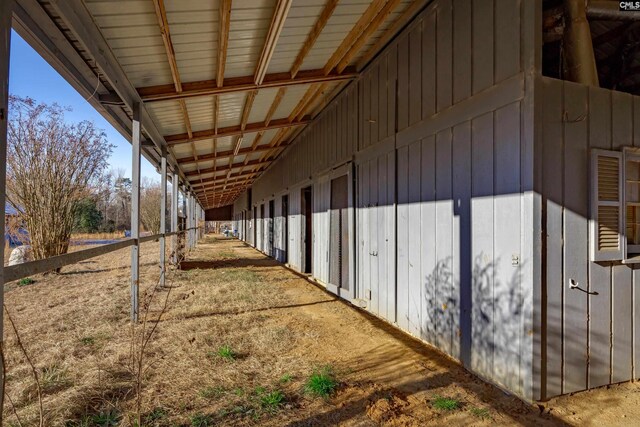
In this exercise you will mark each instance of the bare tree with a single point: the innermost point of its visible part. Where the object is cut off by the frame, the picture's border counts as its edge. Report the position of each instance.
(150, 197)
(51, 165)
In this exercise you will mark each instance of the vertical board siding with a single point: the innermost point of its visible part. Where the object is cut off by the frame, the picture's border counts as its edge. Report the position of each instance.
(440, 238)
(591, 339)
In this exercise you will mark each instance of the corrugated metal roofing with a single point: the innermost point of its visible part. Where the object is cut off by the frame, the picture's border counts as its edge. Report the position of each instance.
(133, 30)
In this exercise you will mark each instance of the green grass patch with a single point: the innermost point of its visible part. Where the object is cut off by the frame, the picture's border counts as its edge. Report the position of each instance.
(445, 403)
(286, 378)
(482, 413)
(321, 383)
(212, 392)
(272, 401)
(226, 352)
(201, 420)
(26, 281)
(88, 341)
(54, 377)
(109, 418)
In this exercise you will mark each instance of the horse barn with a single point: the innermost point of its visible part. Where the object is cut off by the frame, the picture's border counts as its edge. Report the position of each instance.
(466, 170)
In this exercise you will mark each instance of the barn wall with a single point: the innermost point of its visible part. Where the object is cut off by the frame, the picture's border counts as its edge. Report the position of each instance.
(591, 339)
(439, 128)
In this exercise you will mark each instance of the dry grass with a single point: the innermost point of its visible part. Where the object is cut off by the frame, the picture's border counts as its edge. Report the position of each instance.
(278, 328)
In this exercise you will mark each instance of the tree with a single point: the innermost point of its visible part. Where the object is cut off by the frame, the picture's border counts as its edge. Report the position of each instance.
(51, 165)
(88, 219)
(150, 197)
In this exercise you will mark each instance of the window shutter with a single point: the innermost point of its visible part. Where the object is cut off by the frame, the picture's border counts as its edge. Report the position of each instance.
(607, 213)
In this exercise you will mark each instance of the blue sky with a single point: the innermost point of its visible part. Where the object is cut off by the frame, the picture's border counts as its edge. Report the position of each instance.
(32, 76)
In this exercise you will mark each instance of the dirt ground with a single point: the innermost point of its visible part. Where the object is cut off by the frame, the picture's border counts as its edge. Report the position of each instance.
(279, 330)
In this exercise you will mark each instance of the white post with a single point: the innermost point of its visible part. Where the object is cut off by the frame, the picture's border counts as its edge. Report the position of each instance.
(135, 211)
(5, 45)
(188, 219)
(163, 216)
(174, 217)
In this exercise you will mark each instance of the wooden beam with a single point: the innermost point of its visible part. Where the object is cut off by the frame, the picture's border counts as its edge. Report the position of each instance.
(241, 84)
(161, 15)
(354, 34)
(225, 168)
(223, 39)
(277, 23)
(391, 32)
(183, 138)
(220, 177)
(367, 33)
(313, 35)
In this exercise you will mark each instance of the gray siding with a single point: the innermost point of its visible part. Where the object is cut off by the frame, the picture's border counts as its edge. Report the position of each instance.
(590, 339)
(439, 129)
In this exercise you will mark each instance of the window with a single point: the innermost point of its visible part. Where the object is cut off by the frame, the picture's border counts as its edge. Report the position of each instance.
(615, 205)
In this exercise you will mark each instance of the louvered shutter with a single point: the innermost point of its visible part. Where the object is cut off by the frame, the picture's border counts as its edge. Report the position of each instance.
(607, 214)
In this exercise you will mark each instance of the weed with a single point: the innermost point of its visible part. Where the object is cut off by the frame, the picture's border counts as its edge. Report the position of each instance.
(445, 403)
(54, 377)
(153, 417)
(272, 401)
(201, 420)
(482, 413)
(109, 418)
(321, 383)
(238, 391)
(286, 378)
(226, 353)
(88, 340)
(26, 281)
(212, 392)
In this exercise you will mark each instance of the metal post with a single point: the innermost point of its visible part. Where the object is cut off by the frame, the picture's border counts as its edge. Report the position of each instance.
(187, 219)
(578, 45)
(135, 211)
(5, 45)
(174, 217)
(163, 216)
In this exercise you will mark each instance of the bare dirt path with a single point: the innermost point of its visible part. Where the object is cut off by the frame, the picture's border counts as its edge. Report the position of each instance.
(239, 341)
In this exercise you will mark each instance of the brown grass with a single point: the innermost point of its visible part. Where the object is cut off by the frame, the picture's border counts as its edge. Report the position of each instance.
(279, 328)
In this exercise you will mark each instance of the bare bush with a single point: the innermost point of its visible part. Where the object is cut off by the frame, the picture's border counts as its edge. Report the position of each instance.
(51, 165)
(150, 212)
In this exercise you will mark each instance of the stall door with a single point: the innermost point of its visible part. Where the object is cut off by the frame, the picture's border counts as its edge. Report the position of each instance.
(376, 234)
(339, 253)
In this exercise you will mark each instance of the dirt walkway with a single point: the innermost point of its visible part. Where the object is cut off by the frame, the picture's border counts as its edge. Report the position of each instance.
(238, 343)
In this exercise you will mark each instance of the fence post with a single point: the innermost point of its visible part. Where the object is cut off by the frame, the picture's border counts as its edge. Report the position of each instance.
(5, 46)
(135, 211)
(163, 215)
(174, 217)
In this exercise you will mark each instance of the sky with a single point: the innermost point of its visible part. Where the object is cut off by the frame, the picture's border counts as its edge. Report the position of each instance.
(32, 76)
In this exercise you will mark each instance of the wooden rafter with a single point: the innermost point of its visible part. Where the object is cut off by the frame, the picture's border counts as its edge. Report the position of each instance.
(313, 35)
(397, 25)
(218, 178)
(277, 24)
(224, 168)
(364, 35)
(240, 84)
(354, 34)
(223, 39)
(223, 154)
(163, 23)
(183, 138)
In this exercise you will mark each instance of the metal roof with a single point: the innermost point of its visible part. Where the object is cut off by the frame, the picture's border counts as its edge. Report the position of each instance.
(225, 84)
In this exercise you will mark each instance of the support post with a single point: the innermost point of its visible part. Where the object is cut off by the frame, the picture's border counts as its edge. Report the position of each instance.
(581, 59)
(163, 216)
(174, 218)
(187, 221)
(135, 211)
(5, 47)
